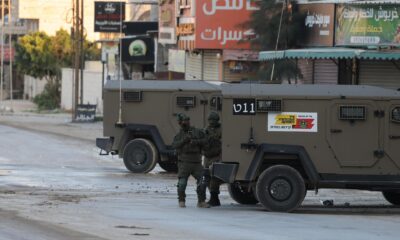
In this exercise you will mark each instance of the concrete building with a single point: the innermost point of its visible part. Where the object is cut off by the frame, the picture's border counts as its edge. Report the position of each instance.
(53, 15)
(11, 28)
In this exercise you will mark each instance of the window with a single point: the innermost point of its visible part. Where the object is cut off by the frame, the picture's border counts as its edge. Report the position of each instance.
(269, 106)
(186, 102)
(395, 115)
(133, 96)
(352, 112)
(185, 3)
(216, 104)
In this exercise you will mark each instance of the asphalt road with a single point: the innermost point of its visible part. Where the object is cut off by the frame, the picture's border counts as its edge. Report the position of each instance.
(56, 187)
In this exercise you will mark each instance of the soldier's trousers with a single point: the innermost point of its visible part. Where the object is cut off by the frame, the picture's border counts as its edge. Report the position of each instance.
(214, 183)
(185, 169)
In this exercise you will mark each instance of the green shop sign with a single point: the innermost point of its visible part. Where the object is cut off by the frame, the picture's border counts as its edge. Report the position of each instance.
(367, 25)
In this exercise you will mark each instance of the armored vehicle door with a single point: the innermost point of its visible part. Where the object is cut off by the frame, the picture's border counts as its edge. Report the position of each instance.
(353, 132)
(392, 136)
(193, 104)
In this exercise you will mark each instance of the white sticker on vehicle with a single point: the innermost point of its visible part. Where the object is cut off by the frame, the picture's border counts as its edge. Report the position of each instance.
(293, 122)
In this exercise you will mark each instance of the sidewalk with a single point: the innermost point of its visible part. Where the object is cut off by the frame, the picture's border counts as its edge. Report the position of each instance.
(25, 116)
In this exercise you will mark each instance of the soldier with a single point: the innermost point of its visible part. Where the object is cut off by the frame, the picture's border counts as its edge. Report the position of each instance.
(212, 154)
(188, 144)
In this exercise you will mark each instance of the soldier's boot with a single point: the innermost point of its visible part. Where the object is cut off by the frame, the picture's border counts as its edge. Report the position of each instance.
(214, 200)
(202, 205)
(181, 198)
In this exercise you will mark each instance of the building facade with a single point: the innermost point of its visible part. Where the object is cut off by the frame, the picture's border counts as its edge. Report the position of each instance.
(206, 41)
(349, 42)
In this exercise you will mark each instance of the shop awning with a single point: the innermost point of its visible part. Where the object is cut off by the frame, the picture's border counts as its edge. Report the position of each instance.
(329, 53)
(379, 55)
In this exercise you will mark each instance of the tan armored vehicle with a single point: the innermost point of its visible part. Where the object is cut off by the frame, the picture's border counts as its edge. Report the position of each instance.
(148, 123)
(281, 140)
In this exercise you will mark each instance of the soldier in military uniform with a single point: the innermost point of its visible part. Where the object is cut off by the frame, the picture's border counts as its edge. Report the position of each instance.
(188, 144)
(212, 154)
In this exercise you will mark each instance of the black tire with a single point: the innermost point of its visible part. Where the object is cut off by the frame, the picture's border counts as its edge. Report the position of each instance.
(140, 155)
(241, 195)
(169, 166)
(392, 197)
(280, 188)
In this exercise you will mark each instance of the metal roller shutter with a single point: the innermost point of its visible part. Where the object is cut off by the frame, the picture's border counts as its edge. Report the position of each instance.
(325, 72)
(380, 73)
(193, 66)
(306, 67)
(211, 65)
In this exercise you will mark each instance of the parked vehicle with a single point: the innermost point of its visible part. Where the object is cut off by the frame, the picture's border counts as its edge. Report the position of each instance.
(278, 141)
(141, 133)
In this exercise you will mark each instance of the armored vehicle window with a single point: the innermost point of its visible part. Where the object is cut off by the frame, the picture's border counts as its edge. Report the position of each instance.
(396, 115)
(186, 102)
(133, 96)
(216, 104)
(352, 112)
(269, 105)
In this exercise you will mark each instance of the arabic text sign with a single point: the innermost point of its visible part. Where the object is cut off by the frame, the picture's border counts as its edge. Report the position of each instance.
(85, 113)
(218, 24)
(293, 122)
(368, 25)
(319, 24)
(108, 16)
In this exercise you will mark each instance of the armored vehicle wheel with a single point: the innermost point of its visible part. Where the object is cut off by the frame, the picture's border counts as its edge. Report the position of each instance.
(140, 155)
(241, 195)
(392, 197)
(280, 188)
(169, 166)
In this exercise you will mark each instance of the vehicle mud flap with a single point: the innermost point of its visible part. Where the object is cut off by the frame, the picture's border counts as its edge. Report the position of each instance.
(105, 145)
(224, 171)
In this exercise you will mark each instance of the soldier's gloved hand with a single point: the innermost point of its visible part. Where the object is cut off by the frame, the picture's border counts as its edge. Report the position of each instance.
(186, 139)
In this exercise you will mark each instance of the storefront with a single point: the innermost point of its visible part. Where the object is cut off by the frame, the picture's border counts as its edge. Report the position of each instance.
(363, 50)
(240, 65)
(215, 42)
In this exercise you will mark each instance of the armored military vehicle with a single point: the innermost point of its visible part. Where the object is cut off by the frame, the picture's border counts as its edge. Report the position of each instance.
(141, 133)
(281, 140)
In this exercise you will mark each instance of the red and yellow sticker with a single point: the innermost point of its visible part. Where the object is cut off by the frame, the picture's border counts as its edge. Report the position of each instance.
(293, 122)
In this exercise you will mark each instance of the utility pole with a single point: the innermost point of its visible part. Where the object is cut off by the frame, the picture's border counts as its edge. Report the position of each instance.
(81, 49)
(77, 57)
(2, 52)
(10, 50)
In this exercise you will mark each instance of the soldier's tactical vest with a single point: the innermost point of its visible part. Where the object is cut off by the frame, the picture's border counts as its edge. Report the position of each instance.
(213, 145)
(190, 152)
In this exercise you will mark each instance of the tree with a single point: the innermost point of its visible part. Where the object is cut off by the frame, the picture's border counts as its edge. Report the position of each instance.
(62, 48)
(34, 56)
(279, 25)
(42, 56)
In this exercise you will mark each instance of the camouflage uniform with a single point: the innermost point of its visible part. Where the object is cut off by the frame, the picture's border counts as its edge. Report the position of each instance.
(188, 144)
(212, 154)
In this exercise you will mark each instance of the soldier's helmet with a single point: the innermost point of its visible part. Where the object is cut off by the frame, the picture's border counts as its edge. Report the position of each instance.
(182, 117)
(213, 116)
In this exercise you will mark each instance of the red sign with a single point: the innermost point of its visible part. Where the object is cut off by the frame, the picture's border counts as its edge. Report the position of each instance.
(218, 24)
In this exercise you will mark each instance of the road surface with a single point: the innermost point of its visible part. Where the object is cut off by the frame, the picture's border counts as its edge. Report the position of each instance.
(57, 187)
